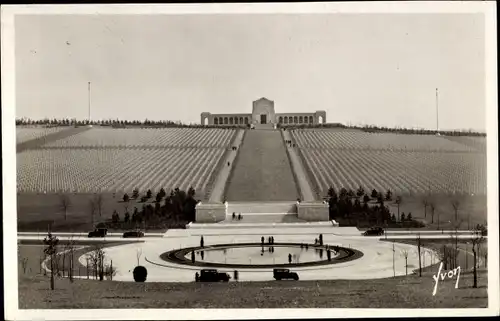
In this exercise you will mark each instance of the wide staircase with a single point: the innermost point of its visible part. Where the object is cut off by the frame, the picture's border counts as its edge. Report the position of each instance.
(262, 171)
(261, 186)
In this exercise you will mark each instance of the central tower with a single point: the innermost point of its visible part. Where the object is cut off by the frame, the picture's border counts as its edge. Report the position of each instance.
(263, 111)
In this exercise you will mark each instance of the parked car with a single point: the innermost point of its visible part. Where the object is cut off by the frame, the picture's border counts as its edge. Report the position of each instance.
(282, 274)
(133, 234)
(209, 275)
(98, 232)
(373, 231)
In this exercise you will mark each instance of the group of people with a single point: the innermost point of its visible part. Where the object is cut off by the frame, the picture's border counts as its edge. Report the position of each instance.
(270, 240)
(234, 148)
(289, 143)
(238, 217)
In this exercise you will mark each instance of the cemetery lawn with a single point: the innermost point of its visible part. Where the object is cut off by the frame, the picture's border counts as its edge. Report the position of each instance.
(400, 292)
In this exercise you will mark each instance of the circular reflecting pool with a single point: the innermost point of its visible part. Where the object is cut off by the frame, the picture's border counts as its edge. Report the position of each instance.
(254, 255)
(277, 254)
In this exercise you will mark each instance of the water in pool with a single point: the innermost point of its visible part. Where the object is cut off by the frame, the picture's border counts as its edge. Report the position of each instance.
(260, 255)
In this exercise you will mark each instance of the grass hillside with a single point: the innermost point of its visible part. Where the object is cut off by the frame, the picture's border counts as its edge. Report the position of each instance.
(262, 171)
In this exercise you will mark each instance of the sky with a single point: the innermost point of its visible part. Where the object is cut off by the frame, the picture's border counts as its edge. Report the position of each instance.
(380, 69)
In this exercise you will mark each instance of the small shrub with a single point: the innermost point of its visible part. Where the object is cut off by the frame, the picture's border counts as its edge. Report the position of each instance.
(100, 225)
(140, 273)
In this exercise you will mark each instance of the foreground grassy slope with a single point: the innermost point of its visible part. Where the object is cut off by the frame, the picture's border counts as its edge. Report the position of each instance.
(400, 292)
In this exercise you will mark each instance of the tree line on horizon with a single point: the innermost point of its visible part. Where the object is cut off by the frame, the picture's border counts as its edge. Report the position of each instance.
(116, 123)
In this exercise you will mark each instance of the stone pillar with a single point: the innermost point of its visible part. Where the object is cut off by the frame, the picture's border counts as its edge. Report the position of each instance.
(207, 116)
(318, 114)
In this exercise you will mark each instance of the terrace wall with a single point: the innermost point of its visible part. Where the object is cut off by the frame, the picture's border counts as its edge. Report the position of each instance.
(210, 212)
(313, 211)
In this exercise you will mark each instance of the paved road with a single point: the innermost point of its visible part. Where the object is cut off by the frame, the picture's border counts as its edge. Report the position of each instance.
(298, 168)
(222, 177)
(289, 229)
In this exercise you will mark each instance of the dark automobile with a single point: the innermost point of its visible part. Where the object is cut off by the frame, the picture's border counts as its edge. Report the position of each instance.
(281, 274)
(373, 231)
(133, 234)
(98, 232)
(212, 276)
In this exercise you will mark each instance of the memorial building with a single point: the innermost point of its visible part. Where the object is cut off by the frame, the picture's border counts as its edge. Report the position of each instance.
(263, 113)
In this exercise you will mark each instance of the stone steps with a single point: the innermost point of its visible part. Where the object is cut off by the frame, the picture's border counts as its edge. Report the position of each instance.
(262, 171)
(264, 218)
(263, 208)
(283, 227)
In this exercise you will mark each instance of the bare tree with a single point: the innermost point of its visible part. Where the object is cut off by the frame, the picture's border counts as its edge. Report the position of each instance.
(425, 202)
(65, 203)
(477, 239)
(457, 227)
(92, 210)
(63, 256)
(419, 244)
(405, 255)
(433, 208)
(445, 256)
(69, 250)
(398, 202)
(51, 250)
(452, 251)
(99, 203)
(97, 260)
(109, 271)
(455, 203)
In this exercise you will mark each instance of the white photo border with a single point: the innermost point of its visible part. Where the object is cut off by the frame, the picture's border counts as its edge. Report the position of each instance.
(8, 14)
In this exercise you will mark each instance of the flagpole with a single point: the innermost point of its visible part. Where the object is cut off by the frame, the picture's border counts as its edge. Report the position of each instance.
(89, 99)
(437, 111)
